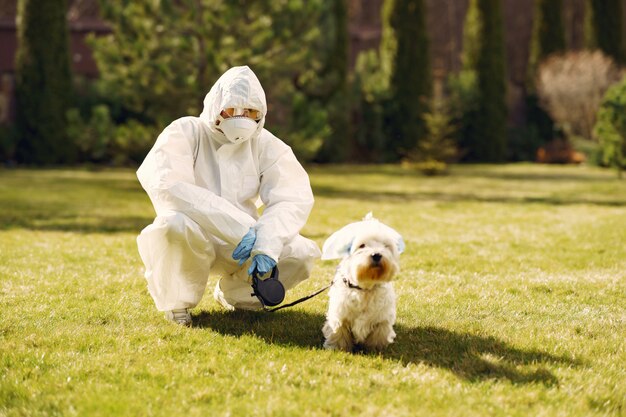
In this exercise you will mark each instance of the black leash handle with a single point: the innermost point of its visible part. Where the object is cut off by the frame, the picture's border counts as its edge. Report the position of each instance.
(269, 291)
(299, 300)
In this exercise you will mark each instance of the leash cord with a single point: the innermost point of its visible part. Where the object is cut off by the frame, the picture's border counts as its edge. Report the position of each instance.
(299, 300)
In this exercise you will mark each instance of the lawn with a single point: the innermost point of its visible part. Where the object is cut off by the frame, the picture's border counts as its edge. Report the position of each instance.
(512, 302)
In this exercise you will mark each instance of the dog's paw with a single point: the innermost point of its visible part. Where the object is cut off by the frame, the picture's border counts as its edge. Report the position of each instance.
(341, 345)
(337, 339)
(381, 336)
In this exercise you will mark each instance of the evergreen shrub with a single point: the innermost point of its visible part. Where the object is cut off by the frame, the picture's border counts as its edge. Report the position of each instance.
(610, 129)
(43, 83)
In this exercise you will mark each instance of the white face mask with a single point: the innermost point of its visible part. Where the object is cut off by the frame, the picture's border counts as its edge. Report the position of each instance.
(238, 129)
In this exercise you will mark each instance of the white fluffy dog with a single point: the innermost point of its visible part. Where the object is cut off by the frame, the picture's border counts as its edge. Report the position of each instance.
(362, 302)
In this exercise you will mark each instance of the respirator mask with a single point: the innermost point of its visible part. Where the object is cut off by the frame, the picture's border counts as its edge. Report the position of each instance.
(237, 124)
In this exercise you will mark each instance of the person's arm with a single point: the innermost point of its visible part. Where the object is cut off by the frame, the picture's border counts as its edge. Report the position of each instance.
(286, 192)
(167, 175)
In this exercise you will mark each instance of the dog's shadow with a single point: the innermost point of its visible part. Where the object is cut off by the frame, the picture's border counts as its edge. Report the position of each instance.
(469, 356)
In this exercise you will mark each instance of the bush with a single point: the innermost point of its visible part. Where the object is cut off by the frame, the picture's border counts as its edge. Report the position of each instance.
(309, 128)
(8, 142)
(132, 142)
(463, 100)
(610, 128)
(436, 149)
(589, 148)
(571, 87)
(523, 142)
(94, 136)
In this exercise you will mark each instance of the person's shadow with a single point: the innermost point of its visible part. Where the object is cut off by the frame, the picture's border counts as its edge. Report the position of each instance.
(469, 356)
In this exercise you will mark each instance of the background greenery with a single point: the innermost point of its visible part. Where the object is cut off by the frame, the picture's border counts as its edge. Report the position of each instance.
(511, 303)
(161, 57)
(43, 84)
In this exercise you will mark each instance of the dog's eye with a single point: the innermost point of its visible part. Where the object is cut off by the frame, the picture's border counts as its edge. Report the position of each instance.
(362, 245)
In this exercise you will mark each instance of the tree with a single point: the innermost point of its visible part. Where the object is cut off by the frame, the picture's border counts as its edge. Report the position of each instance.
(410, 83)
(335, 92)
(437, 148)
(371, 96)
(548, 35)
(607, 27)
(43, 83)
(163, 56)
(489, 144)
(548, 38)
(463, 86)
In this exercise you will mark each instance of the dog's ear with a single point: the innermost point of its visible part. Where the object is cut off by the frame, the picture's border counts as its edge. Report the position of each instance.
(400, 243)
(338, 245)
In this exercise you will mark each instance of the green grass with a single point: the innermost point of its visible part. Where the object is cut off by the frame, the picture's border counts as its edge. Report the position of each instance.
(512, 302)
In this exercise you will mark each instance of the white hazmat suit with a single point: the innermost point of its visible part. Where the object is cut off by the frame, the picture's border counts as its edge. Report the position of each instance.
(204, 189)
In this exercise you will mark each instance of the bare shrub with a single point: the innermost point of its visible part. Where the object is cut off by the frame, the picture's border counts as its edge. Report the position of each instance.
(571, 87)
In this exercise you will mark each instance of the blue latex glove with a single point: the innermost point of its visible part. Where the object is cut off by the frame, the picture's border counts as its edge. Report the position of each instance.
(243, 249)
(262, 264)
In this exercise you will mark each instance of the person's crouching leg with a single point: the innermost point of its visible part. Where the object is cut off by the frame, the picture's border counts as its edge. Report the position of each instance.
(177, 256)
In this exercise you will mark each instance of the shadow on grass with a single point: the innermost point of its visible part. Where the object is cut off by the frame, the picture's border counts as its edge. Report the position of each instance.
(58, 212)
(455, 197)
(469, 356)
(533, 172)
(69, 223)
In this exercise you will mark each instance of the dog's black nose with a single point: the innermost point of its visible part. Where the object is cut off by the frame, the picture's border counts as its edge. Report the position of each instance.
(376, 257)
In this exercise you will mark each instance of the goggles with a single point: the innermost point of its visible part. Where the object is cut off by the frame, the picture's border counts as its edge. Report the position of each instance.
(232, 112)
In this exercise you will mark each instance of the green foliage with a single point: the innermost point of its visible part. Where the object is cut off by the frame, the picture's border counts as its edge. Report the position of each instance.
(163, 56)
(478, 91)
(8, 142)
(489, 144)
(540, 129)
(610, 127)
(589, 30)
(100, 140)
(42, 83)
(132, 142)
(91, 137)
(607, 27)
(472, 30)
(371, 94)
(310, 126)
(337, 147)
(591, 149)
(548, 35)
(463, 99)
(437, 148)
(410, 76)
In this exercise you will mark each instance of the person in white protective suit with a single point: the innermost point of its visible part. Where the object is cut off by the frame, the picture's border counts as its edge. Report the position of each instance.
(204, 176)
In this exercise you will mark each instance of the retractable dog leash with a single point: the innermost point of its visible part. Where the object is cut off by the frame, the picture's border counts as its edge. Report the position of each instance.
(271, 292)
